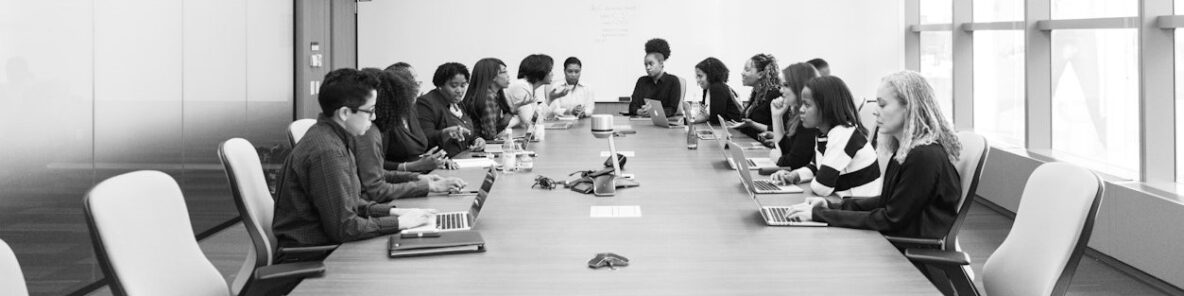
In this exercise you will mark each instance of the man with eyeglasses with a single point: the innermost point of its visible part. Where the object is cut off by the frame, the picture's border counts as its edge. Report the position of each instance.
(318, 200)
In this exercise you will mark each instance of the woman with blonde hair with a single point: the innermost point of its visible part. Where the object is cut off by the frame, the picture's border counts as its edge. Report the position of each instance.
(921, 189)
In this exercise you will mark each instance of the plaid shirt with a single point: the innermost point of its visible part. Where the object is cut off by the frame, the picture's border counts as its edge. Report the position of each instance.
(492, 116)
(319, 196)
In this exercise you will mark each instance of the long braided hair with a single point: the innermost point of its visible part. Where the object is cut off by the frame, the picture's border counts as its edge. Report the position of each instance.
(924, 124)
(769, 81)
(396, 98)
(796, 76)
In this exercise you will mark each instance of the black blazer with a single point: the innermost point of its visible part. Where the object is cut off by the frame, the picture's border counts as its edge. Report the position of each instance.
(433, 113)
(404, 144)
(722, 103)
(797, 150)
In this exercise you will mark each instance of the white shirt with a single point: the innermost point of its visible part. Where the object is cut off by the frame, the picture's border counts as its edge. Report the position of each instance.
(578, 95)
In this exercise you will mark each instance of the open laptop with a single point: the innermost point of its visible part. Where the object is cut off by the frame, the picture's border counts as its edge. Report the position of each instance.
(658, 115)
(455, 221)
(724, 138)
(773, 215)
(561, 125)
(762, 186)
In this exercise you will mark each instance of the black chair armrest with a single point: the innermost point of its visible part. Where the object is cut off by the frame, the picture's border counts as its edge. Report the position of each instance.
(937, 257)
(289, 271)
(915, 242)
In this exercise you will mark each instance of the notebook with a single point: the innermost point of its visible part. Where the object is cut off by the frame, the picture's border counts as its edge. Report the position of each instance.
(466, 241)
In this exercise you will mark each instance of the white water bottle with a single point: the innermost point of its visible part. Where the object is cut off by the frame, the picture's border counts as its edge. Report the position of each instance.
(509, 156)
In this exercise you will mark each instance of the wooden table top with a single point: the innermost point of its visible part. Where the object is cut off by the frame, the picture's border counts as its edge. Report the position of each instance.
(699, 234)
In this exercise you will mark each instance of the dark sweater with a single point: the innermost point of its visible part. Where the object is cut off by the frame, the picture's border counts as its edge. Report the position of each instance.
(432, 110)
(318, 199)
(404, 144)
(723, 102)
(797, 150)
(919, 198)
(381, 185)
(760, 110)
(665, 90)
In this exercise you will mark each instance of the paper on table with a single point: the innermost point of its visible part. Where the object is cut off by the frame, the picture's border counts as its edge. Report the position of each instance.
(474, 162)
(626, 153)
(615, 211)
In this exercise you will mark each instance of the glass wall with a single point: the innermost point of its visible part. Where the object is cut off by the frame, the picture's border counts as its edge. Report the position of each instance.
(999, 74)
(102, 88)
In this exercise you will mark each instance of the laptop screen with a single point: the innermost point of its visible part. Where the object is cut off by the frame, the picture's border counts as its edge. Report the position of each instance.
(483, 193)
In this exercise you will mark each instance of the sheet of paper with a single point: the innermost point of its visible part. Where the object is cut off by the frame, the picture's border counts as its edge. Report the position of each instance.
(474, 162)
(615, 211)
(626, 153)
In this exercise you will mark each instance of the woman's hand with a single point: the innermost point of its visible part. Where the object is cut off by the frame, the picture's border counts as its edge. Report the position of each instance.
(784, 177)
(456, 132)
(779, 107)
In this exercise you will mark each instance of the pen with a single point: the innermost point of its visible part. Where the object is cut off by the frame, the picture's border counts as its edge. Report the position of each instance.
(419, 235)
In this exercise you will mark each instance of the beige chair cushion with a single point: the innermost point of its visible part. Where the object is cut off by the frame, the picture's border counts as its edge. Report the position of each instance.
(11, 278)
(242, 163)
(1052, 213)
(297, 129)
(143, 227)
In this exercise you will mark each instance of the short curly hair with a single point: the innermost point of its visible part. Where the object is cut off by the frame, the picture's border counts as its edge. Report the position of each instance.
(658, 46)
(447, 71)
(715, 69)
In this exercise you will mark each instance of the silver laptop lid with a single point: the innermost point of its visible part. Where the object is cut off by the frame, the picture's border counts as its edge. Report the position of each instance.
(483, 193)
(657, 113)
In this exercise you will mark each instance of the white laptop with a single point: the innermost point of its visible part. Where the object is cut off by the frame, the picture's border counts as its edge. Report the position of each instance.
(773, 215)
(762, 186)
(465, 220)
(724, 137)
(658, 115)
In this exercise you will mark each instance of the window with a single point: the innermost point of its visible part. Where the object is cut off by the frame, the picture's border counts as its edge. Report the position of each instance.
(999, 86)
(937, 11)
(1179, 7)
(1080, 9)
(999, 74)
(937, 67)
(1095, 99)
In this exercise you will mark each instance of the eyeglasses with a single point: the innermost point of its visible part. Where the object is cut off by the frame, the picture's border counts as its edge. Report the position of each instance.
(371, 112)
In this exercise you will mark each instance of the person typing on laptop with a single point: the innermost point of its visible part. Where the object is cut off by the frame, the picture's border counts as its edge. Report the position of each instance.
(921, 189)
(318, 200)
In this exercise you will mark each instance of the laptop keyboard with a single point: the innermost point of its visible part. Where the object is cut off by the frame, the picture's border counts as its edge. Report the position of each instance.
(766, 185)
(776, 214)
(450, 220)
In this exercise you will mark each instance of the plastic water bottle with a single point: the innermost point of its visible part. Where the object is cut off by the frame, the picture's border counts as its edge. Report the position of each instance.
(692, 138)
(509, 156)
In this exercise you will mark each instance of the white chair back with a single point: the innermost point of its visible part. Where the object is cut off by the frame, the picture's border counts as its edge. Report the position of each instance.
(297, 129)
(143, 239)
(255, 205)
(11, 277)
(682, 93)
(1052, 226)
(970, 164)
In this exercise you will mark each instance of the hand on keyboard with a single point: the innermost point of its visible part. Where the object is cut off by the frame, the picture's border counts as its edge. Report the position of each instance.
(800, 214)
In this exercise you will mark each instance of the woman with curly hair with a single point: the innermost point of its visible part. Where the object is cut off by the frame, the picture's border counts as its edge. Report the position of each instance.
(486, 100)
(656, 84)
(718, 98)
(760, 72)
(407, 147)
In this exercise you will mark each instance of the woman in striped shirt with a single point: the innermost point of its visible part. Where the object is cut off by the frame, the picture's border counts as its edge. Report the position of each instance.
(845, 163)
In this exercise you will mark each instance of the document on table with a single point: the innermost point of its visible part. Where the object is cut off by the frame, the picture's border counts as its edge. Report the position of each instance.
(474, 162)
(615, 211)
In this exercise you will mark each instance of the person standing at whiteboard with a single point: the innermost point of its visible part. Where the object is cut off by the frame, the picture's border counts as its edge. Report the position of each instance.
(656, 84)
(533, 73)
(571, 97)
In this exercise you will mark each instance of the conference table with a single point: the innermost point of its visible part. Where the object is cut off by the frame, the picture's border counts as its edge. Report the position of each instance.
(698, 233)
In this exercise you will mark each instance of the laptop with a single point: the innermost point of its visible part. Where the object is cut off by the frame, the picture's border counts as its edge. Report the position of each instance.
(762, 186)
(773, 215)
(456, 221)
(658, 115)
(724, 137)
(558, 125)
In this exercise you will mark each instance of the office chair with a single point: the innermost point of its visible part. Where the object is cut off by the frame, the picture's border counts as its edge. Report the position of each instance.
(1040, 255)
(256, 207)
(297, 129)
(141, 234)
(11, 277)
(682, 92)
(970, 164)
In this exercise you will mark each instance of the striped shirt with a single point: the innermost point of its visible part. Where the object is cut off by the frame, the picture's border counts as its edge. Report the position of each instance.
(845, 165)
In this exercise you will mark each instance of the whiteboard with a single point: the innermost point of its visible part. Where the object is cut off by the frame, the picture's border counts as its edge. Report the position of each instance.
(861, 39)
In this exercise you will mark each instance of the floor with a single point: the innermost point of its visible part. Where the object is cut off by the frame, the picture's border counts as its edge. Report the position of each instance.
(983, 231)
